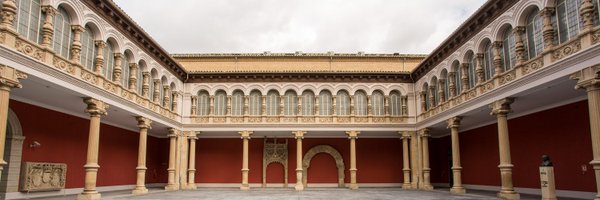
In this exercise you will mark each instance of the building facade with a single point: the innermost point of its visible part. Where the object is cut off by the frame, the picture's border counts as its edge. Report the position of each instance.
(89, 102)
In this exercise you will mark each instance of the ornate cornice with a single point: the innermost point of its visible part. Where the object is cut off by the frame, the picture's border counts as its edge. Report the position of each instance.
(301, 77)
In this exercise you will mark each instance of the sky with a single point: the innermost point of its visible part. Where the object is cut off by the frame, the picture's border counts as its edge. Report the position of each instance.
(311, 26)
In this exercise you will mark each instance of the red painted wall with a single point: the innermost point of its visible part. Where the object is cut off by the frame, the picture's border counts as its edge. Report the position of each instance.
(563, 133)
(220, 161)
(63, 139)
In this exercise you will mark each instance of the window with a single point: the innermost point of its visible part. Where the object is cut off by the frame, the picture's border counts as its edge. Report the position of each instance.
(568, 18)
(237, 103)
(488, 61)
(395, 106)
(203, 103)
(62, 33)
(534, 34)
(87, 49)
(377, 99)
(457, 79)
(138, 80)
(109, 61)
(434, 93)
(290, 103)
(255, 104)
(360, 103)
(220, 103)
(472, 73)
(426, 96)
(342, 103)
(325, 102)
(30, 20)
(308, 103)
(272, 103)
(508, 55)
(444, 77)
(125, 72)
(151, 89)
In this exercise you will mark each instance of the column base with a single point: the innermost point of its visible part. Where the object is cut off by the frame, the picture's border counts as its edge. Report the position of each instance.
(138, 191)
(427, 187)
(458, 190)
(245, 187)
(299, 187)
(190, 186)
(509, 195)
(88, 196)
(353, 186)
(406, 186)
(171, 187)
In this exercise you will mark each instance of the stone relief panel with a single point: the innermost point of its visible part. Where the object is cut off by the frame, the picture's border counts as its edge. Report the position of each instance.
(39, 176)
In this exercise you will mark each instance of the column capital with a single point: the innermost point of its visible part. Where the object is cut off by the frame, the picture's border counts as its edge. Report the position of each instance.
(10, 77)
(547, 11)
(145, 73)
(465, 65)
(502, 106)
(193, 135)
(404, 134)
(49, 10)
(454, 122)
(78, 28)
(587, 78)
(497, 44)
(298, 134)
(245, 134)
(424, 132)
(519, 30)
(100, 44)
(173, 132)
(352, 134)
(118, 55)
(143, 123)
(133, 65)
(95, 106)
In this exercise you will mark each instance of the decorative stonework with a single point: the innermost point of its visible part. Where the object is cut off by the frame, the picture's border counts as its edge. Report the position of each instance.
(38, 176)
(566, 50)
(274, 152)
(29, 49)
(339, 162)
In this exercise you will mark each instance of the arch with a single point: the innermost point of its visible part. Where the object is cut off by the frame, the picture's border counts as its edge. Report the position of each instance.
(96, 30)
(14, 148)
(504, 21)
(522, 13)
(74, 14)
(339, 162)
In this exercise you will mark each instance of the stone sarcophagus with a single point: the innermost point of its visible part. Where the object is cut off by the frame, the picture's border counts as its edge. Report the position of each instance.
(39, 176)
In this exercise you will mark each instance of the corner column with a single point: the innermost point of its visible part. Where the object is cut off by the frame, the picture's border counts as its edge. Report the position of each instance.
(191, 185)
(140, 186)
(501, 108)
(245, 137)
(9, 79)
(299, 135)
(457, 188)
(424, 134)
(353, 135)
(96, 109)
(588, 79)
(171, 185)
(405, 159)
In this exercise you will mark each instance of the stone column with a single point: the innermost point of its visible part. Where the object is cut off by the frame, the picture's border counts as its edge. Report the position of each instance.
(423, 95)
(548, 30)
(465, 76)
(171, 184)
(452, 84)
(9, 79)
(442, 90)
(353, 135)
(145, 83)
(76, 44)
(167, 99)
(333, 104)
(479, 69)
(519, 45)
(386, 104)
(405, 105)
(245, 137)
(96, 109)
(9, 12)
(405, 159)
(100, 45)
(191, 184)
(156, 93)
(117, 70)
(175, 100)
(299, 135)
(133, 76)
(424, 134)
(48, 27)
(497, 46)
(432, 96)
(587, 14)
(194, 105)
(457, 188)
(228, 108)
(140, 187)
(501, 108)
(414, 160)
(588, 79)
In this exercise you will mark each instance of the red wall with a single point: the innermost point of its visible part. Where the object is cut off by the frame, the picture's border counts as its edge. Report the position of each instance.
(563, 133)
(220, 161)
(63, 139)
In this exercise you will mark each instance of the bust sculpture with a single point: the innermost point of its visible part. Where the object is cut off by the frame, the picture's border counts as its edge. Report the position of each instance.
(546, 161)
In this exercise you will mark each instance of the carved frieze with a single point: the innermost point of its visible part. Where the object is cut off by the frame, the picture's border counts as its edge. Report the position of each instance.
(63, 65)
(26, 48)
(566, 50)
(39, 176)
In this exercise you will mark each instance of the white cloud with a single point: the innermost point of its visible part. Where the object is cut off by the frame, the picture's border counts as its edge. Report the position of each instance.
(227, 26)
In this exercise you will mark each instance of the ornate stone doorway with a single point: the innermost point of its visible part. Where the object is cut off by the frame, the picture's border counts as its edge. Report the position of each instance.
(274, 152)
(12, 155)
(339, 162)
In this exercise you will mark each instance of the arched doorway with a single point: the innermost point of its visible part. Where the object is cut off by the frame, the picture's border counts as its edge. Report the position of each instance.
(339, 162)
(12, 155)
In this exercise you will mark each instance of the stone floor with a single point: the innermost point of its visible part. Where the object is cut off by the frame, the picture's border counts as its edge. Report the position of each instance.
(308, 194)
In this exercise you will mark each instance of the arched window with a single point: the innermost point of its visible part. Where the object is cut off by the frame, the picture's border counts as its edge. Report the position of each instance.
(88, 51)
(436, 96)
(290, 103)
(272, 103)
(203, 103)
(151, 89)
(534, 34)
(325, 103)
(568, 18)
(125, 72)
(220, 103)
(237, 103)
(255, 104)
(138, 80)
(29, 20)
(360, 103)
(109, 61)
(488, 61)
(342, 103)
(457, 78)
(395, 106)
(508, 54)
(161, 91)
(425, 90)
(172, 95)
(377, 100)
(472, 62)
(308, 103)
(444, 77)
(62, 33)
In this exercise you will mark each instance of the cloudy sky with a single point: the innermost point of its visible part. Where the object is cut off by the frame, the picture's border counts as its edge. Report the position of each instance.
(344, 26)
